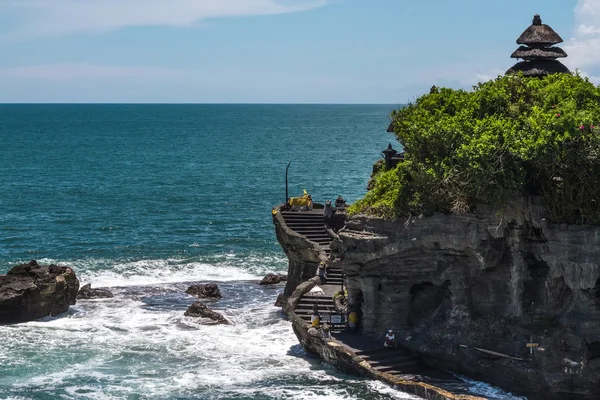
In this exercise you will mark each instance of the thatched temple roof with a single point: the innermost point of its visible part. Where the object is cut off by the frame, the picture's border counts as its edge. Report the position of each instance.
(539, 68)
(539, 34)
(538, 55)
(551, 53)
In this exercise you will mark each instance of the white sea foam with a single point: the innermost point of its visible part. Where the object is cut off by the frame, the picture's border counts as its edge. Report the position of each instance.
(489, 391)
(227, 267)
(116, 347)
(139, 342)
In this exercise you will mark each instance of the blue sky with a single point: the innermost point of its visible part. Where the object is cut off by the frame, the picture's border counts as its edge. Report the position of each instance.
(271, 51)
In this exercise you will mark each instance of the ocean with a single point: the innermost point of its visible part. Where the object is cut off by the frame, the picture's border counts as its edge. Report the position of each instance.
(146, 199)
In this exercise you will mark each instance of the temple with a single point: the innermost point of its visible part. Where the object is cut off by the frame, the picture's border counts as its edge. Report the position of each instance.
(538, 52)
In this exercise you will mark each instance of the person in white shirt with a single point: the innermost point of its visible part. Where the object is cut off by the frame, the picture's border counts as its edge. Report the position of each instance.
(390, 339)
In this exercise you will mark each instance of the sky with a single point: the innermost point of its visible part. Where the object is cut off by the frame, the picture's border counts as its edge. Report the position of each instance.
(271, 51)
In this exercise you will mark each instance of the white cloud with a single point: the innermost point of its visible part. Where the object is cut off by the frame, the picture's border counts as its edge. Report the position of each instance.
(584, 47)
(64, 17)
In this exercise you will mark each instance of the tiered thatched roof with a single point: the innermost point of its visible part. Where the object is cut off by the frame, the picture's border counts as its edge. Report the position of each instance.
(550, 53)
(538, 54)
(539, 68)
(539, 34)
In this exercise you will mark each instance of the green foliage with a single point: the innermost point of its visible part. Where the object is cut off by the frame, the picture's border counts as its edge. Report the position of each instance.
(509, 137)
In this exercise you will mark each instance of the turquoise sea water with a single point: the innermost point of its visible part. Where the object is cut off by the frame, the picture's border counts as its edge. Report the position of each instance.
(145, 199)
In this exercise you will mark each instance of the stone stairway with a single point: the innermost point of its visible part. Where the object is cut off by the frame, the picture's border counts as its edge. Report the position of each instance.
(324, 305)
(391, 361)
(309, 224)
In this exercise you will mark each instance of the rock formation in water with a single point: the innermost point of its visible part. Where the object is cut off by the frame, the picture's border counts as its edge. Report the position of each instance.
(461, 288)
(273, 279)
(208, 291)
(86, 293)
(199, 310)
(31, 291)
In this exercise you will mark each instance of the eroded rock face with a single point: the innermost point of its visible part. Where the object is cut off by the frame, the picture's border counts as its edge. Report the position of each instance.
(86, 292)
(199, 310)
(208, 291)
(273, 279)
(31, 291)
(484, 281)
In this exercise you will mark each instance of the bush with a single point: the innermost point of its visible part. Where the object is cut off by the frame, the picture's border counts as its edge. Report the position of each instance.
(509, 137)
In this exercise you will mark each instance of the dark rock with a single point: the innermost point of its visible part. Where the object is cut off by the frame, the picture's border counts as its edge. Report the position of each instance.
(86, 292)
(31, 291)
(199, 310)
(209, 290)
(484, 281)
(273, 279)
(280, 300)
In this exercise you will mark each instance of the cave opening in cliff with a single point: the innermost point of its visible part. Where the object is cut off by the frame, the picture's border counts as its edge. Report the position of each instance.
(425, 302)
(593, 351)
(537, 269)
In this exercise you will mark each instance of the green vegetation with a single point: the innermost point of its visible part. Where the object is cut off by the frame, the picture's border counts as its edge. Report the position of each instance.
(509, 137)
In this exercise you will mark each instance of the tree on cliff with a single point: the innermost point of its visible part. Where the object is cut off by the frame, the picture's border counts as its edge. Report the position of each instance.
(509, 137)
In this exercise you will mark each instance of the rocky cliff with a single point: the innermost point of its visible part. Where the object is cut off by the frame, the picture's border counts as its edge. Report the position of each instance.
(303, 255)
(469, 292)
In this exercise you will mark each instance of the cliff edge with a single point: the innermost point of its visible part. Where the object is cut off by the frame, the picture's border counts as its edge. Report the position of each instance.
(512, 300)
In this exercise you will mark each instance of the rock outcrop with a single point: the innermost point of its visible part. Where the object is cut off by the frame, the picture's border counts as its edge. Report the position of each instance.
(199, 310)
(273, 279)
(86, 293)
(279, 301)
(208, 291)
(470, 290)
(303, 255)
(31, 291)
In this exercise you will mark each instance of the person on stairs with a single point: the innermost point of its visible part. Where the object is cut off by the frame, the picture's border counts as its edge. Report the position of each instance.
(315, 318)
(390, 339)
(322, 271)
(352, 320)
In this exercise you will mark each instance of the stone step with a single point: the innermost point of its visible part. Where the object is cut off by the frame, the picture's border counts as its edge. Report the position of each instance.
(317, 235)
(328, 303)
(392, 359)
(320, 239)
(408, 370)
(320, 306)
(303, 219)
(379, 350)
(396, 366)
(307, 221)
(302, 214)
(315, 221)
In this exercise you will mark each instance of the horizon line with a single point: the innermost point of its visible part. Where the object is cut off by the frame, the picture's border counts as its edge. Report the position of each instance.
(198, 103)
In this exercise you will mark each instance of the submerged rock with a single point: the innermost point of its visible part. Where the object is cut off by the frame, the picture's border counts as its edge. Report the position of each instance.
(209, 290)
(86, 292)
(199, 310)
(30, 291)
(273, 279)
